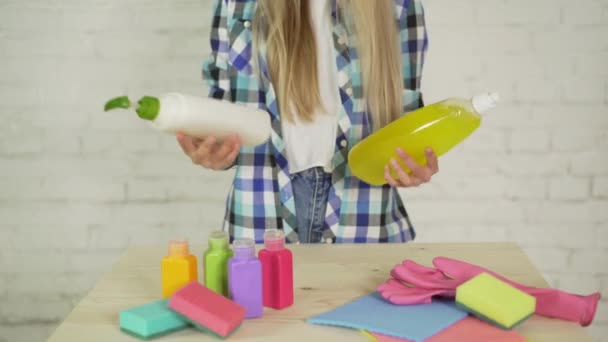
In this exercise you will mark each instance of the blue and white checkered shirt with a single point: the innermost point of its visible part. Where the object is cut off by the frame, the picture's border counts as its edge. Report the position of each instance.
(261, 195)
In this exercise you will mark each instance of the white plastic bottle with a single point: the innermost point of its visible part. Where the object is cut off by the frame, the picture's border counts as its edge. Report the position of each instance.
(200, 117)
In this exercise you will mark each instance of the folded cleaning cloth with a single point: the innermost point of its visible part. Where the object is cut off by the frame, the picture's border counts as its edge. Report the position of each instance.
(469, 329)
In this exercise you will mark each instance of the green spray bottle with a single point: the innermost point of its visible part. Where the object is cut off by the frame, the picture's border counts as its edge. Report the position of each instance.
(215, 262)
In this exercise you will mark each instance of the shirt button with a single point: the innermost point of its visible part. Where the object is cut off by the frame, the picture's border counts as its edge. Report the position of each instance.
(247, 24)
(343, 143)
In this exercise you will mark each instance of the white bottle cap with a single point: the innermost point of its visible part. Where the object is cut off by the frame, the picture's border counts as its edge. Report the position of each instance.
(484, 102)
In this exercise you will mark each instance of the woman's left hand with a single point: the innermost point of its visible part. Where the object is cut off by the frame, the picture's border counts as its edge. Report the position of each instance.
(420, 174)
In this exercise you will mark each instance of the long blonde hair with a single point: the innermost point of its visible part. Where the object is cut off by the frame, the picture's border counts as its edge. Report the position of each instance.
(285, 28)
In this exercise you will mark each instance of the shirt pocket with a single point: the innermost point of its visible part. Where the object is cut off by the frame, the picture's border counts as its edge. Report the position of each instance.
(240, 36)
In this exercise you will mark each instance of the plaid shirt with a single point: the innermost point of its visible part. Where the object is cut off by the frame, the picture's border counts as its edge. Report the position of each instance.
(261, 195)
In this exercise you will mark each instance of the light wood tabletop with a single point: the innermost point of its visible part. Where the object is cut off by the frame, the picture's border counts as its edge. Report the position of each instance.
(325, 276)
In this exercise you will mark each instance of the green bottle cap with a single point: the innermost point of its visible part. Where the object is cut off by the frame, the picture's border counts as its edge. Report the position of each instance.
(147, 109)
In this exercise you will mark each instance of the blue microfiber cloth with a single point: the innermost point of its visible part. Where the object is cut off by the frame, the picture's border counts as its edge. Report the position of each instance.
(373, 313)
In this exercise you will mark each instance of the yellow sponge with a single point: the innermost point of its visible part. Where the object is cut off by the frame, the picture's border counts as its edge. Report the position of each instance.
(495, 301)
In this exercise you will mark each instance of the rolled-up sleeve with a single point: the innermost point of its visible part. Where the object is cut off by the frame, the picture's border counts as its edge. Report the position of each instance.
(215, 67)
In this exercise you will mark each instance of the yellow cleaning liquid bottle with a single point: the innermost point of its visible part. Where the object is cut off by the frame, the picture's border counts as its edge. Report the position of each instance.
(441, 126)
(178, 268)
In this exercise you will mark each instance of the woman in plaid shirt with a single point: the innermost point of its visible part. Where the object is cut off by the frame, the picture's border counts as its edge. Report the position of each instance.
(329, 73)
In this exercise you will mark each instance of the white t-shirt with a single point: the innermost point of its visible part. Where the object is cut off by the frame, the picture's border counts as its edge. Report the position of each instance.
(312, 144)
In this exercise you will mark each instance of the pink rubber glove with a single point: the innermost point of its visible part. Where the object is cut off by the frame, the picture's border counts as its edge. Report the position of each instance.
(424, 277)
(412, 283)
(416, 284)
(400, 294)
(549, 302)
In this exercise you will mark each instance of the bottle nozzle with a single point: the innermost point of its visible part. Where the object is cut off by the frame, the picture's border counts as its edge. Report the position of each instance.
(244, 248)
(117, 102)
(218, 239)
(274, 239)
(178, 248)
(484, 102)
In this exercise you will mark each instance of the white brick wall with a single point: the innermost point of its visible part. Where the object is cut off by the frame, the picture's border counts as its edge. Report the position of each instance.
(78, 185)
(544, 154)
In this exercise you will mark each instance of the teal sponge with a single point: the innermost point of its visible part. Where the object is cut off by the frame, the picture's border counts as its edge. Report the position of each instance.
(151, 320)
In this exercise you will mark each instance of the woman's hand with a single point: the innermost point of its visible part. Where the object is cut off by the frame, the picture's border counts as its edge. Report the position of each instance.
(209, 152)
(420, 174)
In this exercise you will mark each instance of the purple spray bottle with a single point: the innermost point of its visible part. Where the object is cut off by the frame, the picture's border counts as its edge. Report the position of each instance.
(245, 277)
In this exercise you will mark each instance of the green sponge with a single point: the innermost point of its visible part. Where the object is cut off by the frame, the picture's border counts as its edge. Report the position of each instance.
(495, 301)
(151, 320)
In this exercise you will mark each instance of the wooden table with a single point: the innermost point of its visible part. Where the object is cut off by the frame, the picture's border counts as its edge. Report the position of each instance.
(325, 276)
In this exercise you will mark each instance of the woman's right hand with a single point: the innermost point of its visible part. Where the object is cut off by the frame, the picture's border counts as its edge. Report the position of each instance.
(210, 152)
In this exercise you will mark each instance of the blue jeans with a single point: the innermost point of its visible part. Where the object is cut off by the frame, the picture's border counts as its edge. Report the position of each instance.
(310, 190)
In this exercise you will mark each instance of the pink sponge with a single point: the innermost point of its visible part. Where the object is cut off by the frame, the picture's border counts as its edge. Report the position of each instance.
(207, 309)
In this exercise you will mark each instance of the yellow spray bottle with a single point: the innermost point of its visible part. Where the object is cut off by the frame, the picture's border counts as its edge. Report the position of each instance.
(441, 126)
(178, 268)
